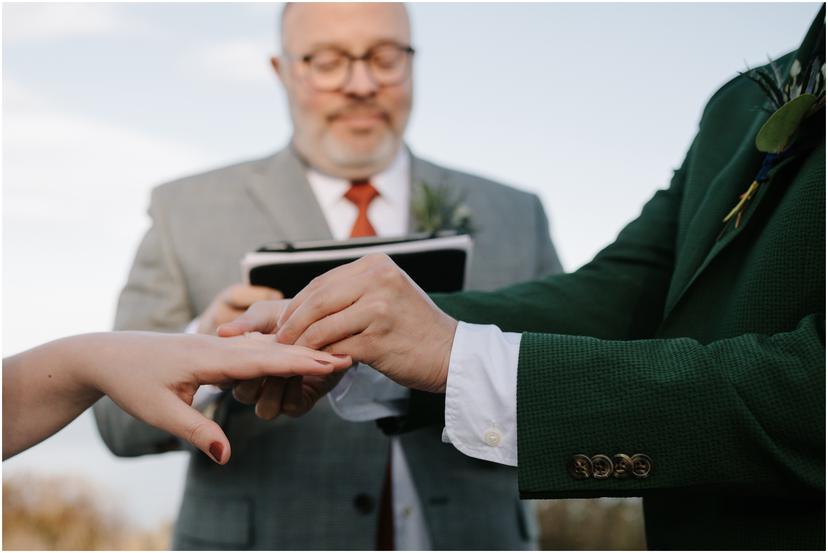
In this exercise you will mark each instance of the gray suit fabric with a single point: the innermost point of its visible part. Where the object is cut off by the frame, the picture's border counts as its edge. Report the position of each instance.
(313, 482)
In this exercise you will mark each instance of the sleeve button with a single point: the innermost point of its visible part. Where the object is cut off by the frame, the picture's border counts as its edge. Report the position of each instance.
(622, 466)
(580, 467)
(601, 467)
(492, 437)
(642, 465)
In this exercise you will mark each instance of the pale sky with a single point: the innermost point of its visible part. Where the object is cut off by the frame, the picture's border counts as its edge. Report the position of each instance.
(591, 106)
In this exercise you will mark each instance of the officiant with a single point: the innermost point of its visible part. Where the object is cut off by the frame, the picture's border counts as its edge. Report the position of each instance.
(319, 482)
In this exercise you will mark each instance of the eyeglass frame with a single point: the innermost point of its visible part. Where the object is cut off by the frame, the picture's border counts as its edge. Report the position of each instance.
(406, 49)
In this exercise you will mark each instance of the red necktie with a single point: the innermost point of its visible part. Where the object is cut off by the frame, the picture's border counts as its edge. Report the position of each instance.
(361, 194)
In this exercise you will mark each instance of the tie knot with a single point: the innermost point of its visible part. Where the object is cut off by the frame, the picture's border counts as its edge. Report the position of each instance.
(361, 193)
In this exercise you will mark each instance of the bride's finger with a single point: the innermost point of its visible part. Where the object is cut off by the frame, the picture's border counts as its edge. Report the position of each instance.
(180, 419)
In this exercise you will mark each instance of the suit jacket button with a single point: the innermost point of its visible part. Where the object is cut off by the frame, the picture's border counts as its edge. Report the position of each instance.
(642, 465)
(363, 503)
(580, 467)
(601, 467)
(622, 466)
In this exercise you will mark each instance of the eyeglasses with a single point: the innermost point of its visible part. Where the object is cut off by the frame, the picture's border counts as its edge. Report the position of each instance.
(330, 69)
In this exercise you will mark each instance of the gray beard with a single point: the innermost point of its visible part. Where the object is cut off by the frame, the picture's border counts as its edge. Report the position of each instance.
(342, 155)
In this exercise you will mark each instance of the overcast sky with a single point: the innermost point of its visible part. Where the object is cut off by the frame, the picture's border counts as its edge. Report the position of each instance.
(591, 106)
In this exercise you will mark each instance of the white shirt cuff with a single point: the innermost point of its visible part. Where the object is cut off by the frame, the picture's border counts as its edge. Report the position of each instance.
(481, 393)
(364, 394)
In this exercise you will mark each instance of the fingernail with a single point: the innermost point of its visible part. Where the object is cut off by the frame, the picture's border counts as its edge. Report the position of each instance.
(340, 355)
(216, 451)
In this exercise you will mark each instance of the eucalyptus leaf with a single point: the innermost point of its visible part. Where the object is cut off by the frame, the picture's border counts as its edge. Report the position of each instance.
(775, 133)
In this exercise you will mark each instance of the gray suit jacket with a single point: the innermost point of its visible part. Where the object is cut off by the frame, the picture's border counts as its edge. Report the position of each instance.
(313, 482)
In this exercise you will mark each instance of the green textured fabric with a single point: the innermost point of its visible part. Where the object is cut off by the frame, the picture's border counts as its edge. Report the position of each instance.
(701, 349)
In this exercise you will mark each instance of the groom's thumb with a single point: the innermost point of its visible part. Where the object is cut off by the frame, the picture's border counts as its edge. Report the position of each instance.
(190, 425)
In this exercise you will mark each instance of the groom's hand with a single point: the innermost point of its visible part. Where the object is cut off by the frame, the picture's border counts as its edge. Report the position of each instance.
(371, 310)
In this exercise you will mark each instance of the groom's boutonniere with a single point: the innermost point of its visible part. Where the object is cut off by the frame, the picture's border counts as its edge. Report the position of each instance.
(437, 209)
(794, 99)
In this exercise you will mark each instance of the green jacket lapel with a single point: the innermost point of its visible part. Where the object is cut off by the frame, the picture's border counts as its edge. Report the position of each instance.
(702, 240)
(707, 236)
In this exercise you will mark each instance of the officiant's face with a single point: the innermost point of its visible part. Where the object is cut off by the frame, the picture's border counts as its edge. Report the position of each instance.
(347, 121)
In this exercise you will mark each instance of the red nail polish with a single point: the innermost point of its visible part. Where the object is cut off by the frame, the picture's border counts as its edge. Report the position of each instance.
(216, 451)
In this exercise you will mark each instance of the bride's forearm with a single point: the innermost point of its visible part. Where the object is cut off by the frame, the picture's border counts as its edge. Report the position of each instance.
(44, 389)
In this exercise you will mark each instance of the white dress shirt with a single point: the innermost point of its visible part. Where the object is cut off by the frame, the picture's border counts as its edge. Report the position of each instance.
(481, 394)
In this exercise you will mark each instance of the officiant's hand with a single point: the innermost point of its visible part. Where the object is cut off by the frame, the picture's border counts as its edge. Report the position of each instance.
(232, 302)
(274, 396)
(371, 310)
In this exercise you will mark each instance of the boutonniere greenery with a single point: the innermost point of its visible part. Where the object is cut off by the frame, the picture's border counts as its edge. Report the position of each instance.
(794, 98)
(437, 209)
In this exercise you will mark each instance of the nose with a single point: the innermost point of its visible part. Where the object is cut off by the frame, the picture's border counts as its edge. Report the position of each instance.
(360, 82)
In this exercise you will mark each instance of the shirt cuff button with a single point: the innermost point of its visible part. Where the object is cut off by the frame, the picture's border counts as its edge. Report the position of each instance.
(492, 437)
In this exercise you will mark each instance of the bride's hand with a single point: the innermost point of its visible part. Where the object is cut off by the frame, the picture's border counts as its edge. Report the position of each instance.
(158, 374)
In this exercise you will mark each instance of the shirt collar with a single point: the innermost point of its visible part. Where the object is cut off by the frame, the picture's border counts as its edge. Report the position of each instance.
(392, 183)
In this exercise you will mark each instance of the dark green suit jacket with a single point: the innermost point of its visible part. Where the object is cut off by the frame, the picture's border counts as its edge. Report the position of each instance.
(703, 351)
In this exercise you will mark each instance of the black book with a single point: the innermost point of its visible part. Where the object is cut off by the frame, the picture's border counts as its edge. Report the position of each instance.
(435, 263)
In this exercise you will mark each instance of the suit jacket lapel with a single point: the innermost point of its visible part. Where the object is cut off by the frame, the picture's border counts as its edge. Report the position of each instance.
(415, 178)
(703, 238)
(707, 234)
(283, 192)
(703, 243)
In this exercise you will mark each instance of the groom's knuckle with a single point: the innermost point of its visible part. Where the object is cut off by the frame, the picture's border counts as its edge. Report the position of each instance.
(312, 337)
(315, 282)
(382, 309)
(386, 274)
(373, 259)
(315, 303)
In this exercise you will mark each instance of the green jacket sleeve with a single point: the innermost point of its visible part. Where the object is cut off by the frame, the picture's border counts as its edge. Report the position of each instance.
(620, 294)
(580, 395)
